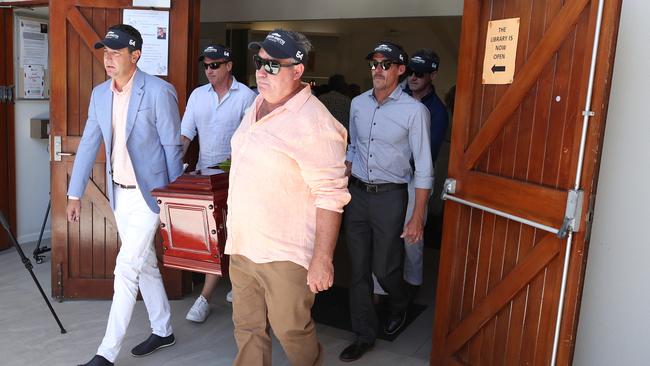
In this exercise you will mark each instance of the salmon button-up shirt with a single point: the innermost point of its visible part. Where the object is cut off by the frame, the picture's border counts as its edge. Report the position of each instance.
(284, 167)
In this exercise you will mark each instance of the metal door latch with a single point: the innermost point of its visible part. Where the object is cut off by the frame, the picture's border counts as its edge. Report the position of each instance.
(572, 213)
(448, 188)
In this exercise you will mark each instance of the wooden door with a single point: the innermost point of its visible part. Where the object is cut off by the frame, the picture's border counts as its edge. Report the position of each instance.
(7, 147)
(515, 149)
(84, 253)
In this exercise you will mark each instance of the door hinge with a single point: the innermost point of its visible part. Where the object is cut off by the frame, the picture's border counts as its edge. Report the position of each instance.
(6, 93)
(572, 213)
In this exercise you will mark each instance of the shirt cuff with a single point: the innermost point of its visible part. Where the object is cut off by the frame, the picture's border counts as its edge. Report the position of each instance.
(190, 134)
(349, 156)
(73, 198)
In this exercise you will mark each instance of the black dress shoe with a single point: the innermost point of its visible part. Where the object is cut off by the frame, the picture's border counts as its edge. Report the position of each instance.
(98, 361)
(153, 343)
(354, 351)
(395, 323)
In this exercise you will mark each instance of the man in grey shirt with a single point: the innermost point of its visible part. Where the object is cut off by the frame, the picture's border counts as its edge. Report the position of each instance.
(388, 128)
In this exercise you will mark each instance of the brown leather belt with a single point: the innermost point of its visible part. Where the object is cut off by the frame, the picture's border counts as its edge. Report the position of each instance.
(123, 186)
(376, 188)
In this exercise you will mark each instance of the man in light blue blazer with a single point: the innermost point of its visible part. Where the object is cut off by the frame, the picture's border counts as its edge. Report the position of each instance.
(136, 116)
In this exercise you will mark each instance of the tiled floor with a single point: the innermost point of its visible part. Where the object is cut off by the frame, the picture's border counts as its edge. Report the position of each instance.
(29, 335)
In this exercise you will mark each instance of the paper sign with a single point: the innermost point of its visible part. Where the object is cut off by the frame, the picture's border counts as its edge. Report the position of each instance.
(500, 51)
(34, 82)
(154, 28)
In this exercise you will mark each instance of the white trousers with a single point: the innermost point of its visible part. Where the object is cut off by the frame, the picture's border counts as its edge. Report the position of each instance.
(136, 267)
(413, 252)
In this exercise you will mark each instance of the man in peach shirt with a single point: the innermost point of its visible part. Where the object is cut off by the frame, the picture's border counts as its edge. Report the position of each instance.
(287, 192)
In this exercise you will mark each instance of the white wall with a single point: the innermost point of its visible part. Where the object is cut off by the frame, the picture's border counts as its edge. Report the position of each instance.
(32, 163)
(614, 327)
(32, 173)
(259, 10)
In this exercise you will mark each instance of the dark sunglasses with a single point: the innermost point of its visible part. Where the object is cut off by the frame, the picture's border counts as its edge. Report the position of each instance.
(385, 65)
(214, 65)
(271, 66)
(418, 75)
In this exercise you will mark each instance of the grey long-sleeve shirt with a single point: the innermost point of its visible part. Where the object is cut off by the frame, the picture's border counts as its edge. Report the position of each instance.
(384, 137)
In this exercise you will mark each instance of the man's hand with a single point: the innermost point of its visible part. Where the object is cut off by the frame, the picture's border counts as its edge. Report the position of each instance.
(414, 230)
(73, 210)
(320, 276)
(348, 168)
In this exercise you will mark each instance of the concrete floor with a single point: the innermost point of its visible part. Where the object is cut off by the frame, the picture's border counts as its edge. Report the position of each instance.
(30, 336)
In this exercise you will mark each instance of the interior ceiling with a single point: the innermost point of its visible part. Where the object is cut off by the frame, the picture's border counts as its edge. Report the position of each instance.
(333, 26)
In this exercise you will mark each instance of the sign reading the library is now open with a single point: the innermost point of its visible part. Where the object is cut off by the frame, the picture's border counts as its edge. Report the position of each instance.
(500, 51)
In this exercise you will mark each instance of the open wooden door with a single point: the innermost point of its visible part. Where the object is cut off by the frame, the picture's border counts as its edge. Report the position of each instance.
(83, 253)
(515, 151)
(7, 147)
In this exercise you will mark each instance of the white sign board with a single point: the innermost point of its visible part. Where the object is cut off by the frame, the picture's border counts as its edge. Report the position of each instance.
(154, 27)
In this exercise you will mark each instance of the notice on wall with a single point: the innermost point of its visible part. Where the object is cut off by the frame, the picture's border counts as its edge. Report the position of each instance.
(154, 27)
(33, 82)
(500, 51)
(33, 42)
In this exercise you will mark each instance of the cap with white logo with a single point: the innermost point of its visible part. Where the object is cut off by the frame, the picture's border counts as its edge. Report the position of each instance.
(280, 44)
(216, 52)
(424, 61)
(391, 51)
(116, 39)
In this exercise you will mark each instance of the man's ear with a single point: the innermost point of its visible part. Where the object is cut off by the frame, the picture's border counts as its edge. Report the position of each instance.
(135, 56)
(298, 70)
(229, 66)
(401, 69)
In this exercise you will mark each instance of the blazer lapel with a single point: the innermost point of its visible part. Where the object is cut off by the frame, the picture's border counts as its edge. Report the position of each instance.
(134, 103)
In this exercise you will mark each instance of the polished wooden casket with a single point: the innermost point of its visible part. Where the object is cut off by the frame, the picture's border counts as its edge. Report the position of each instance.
(193, 222)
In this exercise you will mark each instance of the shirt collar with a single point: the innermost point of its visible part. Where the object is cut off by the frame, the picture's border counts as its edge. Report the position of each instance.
(126, 88)
(395, 94)
(299, 99)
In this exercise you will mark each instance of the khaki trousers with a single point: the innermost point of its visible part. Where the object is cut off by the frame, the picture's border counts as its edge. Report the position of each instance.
(272, 294)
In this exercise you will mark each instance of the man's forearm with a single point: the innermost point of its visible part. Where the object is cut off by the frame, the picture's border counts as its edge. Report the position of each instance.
(186, 144)
(327, 233)
(421, 200)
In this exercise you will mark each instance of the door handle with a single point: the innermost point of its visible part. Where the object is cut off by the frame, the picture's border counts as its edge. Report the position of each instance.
(57, 149)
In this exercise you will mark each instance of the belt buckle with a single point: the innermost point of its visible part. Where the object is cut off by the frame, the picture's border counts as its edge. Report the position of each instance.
(372, 188)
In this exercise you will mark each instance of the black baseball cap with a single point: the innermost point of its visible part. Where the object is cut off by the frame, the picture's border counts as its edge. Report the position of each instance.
(280, 44)
(215, 51)
(391, 51)
(424, 62)
(118, 39)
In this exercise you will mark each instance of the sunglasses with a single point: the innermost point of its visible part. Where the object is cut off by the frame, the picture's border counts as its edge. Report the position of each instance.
(418, 75)
(385, 65)
(271, 66)
(214, 65)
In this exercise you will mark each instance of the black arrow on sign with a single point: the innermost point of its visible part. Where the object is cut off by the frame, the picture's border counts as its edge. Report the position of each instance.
(496, 68)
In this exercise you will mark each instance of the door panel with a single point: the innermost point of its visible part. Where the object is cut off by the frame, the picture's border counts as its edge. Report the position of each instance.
(7, 147)
(84, 253)
(515, 149)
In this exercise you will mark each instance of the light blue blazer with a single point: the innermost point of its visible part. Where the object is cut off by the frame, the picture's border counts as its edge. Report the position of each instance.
(153, 137)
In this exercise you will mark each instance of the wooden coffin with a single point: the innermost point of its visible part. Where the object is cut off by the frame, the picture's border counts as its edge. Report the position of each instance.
(193, 223)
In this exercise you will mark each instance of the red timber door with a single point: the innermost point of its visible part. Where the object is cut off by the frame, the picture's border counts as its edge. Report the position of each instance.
(515, 151)
(83, 257)
(7, 147)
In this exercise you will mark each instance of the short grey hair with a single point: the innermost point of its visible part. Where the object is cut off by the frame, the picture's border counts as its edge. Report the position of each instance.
(302, 41)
